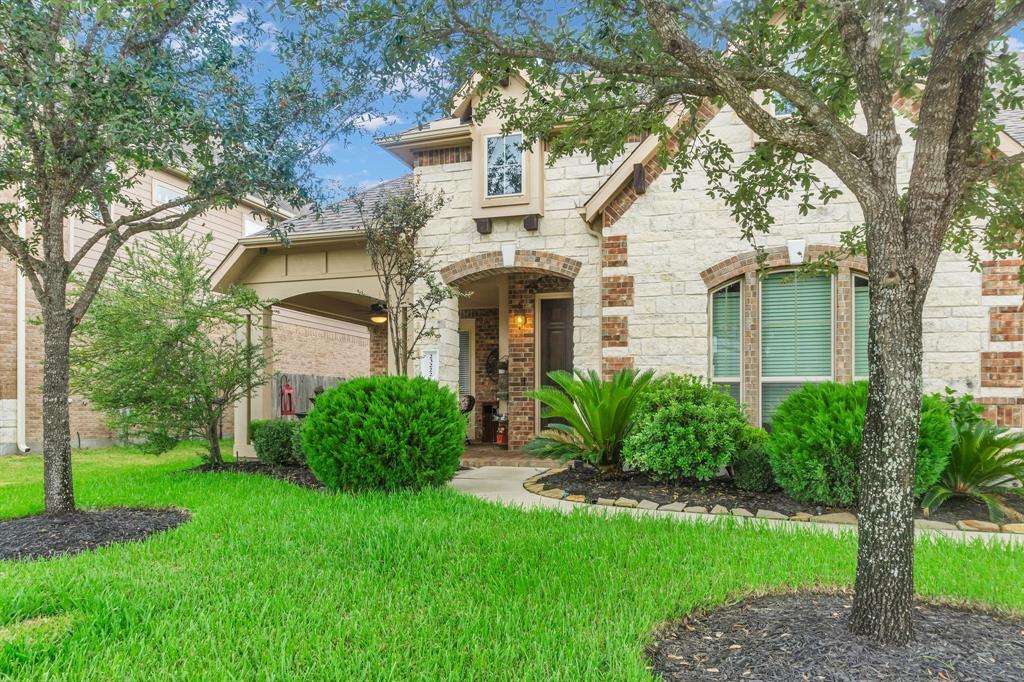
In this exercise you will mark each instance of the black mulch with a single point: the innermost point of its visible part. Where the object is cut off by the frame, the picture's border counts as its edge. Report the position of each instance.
(299, 474)
(43, 537)
(805, 637)
(587, 481)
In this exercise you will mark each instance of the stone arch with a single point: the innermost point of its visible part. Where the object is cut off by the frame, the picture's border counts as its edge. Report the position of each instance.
(775, 257)
(491, 263)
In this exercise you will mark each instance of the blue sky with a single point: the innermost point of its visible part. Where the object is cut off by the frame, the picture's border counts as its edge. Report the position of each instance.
(358, 162)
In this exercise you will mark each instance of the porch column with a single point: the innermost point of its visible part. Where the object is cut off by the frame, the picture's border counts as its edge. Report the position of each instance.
(522, 416)
(259, 404)
(379, 349)
(446, 343)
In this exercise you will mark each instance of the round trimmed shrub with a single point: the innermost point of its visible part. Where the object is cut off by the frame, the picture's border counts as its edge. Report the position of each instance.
(751, 469)
(816, 438)
(384, 433)
(273, 441)
(684, 427)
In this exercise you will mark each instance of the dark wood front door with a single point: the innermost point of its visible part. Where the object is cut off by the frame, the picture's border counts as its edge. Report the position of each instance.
(555, 339)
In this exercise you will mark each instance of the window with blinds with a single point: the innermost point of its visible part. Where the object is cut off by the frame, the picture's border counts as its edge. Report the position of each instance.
(861, 309)
(465, 369)
(726, 339)
(796, 335)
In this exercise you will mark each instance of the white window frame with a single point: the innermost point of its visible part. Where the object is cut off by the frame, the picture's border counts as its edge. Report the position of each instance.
(803, 379)
(469, 325)
(711, 336)
(853, 323)
(177, 191)
(522, 167)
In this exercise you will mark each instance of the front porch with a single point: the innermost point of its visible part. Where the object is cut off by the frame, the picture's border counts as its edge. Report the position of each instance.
(515, 324)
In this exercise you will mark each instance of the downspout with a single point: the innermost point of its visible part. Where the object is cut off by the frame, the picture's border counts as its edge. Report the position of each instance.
(21, 313)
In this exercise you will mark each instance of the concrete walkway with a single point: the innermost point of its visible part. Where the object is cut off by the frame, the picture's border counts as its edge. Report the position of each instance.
(504, 485)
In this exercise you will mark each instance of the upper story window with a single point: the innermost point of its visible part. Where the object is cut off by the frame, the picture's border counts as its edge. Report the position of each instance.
(725, 339)
(504, 165)
(163, 194)
(796, 335)
(861, 309)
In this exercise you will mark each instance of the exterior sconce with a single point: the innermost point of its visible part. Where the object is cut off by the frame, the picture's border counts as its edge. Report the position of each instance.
(796, 248)
(378, 313)
(520, 321)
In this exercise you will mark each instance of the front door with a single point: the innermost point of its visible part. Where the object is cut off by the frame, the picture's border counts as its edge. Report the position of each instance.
(555, 339)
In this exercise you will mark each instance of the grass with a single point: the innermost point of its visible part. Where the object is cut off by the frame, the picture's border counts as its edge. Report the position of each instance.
(270, 581)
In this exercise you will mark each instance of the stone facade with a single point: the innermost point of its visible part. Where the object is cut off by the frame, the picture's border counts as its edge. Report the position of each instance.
(642, 289)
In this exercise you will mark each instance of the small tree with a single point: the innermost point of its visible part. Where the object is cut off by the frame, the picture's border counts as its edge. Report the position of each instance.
(407, 273)
(94, 95)
(162, 354)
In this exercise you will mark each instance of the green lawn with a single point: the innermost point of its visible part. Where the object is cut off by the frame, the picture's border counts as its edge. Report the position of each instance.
(270, 581)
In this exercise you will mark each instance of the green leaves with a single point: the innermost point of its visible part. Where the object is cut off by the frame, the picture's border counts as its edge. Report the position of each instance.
(985, 463)
(598, 415)
(160, 353)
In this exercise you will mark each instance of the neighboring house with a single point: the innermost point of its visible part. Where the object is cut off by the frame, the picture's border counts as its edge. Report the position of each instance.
(308, 344)
(570, 265)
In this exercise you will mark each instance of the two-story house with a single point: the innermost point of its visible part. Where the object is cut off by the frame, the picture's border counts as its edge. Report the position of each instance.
(570, 265)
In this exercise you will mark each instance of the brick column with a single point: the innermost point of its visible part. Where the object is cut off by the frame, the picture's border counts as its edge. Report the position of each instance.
(750, 355)
(842, 334)
(378, 349)
(522, 416)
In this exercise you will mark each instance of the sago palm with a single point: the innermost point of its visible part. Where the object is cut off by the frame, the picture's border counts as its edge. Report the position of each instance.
(596, 415)
(984, 463)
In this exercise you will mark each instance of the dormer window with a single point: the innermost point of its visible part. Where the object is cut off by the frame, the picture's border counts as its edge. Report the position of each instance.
(504, 165)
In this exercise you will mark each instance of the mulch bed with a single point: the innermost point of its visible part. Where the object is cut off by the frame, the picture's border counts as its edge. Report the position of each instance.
(804, 636)
(582, 479)
(297, 473)
(43, 537)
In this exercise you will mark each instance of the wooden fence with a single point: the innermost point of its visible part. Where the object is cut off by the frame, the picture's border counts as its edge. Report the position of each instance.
(303, 386)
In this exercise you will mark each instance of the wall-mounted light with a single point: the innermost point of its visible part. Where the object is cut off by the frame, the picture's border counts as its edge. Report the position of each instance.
(378, 313)
(520, 321)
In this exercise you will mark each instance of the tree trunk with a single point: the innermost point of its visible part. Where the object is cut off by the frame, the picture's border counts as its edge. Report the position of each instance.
(213, 440)
(884, 590)
(58, 488)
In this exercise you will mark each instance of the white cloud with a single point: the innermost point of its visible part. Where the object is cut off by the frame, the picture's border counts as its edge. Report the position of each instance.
(372, 123)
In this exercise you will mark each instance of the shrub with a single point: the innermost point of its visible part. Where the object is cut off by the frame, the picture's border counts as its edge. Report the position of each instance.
(298, 454)
(386, 433)
(984, 462)
(816, 438)
(751, 469)
(273, 440)
(685, 427)
(597, 416)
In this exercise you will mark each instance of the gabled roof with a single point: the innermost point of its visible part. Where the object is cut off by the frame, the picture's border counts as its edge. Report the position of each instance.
(343, 215)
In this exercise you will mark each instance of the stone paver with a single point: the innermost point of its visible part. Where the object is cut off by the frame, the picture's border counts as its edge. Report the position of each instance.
(769, 514)
(696, 510)
(673, 507)
(1013, 528)
(719, 509)
(740, 511)
(626, 502)
(647, 504)
(504, 485)
(976, 525)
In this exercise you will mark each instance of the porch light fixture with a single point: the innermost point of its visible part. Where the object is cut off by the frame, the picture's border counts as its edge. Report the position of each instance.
(378, 313)
(520, 321)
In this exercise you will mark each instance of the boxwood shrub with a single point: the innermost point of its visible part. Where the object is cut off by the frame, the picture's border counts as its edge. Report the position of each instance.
(684, 427)
(384, 433)
(274, 440)
(816, 437)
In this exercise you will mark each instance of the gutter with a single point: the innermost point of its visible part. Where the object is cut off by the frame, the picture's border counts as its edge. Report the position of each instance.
(21, 313)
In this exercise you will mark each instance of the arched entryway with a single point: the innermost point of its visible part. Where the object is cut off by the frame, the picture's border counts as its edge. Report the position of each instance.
(515, 323)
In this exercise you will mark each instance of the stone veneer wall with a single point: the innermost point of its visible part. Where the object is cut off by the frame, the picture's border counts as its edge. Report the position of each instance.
(655, 301)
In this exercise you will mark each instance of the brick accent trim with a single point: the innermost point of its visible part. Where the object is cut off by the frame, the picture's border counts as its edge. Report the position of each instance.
(615, 251)
(653, 168)
(1002, 278)
(1002, 369)
(617, 290)
(614, 331)
(487, 264)
(1006, 323)
(1008, 412)
(616, 363)
(437, 157)
(775, 257)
